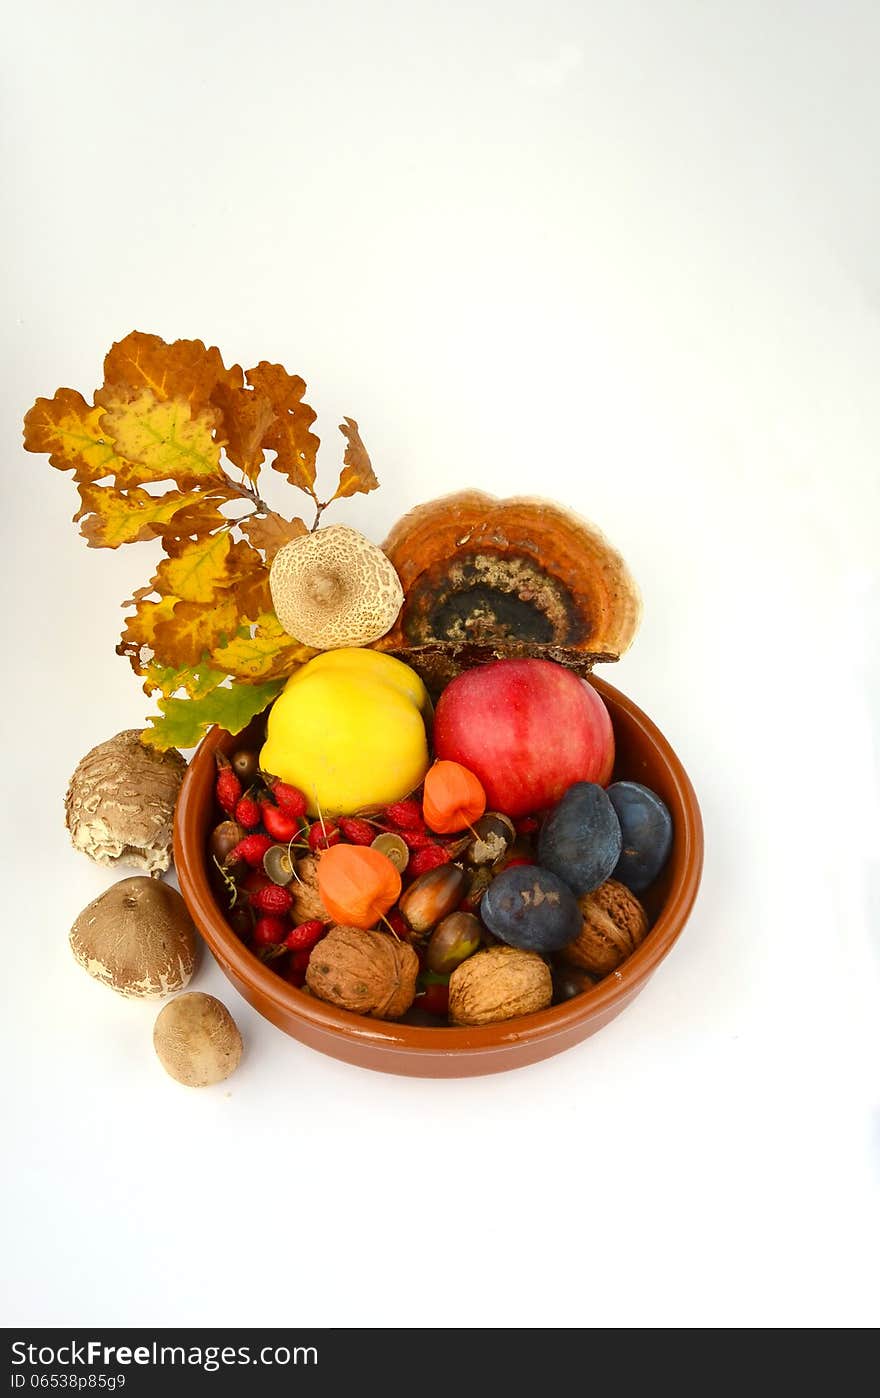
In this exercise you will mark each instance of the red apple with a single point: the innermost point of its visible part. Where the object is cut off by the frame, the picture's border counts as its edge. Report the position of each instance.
(528, 729)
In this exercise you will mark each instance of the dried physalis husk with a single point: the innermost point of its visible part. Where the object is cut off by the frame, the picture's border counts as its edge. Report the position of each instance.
(486, 579)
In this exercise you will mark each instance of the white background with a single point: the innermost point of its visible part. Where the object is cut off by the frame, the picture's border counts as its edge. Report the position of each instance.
(624, 255)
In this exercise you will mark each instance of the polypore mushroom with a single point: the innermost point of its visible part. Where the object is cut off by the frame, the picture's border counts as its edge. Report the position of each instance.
(138, 938)
(197, 1040)
(486, 579)
(120, 802)
(334, 588)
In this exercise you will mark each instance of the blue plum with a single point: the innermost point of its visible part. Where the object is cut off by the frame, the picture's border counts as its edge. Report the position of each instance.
(646, 826)
(530, 908)
(580, 841)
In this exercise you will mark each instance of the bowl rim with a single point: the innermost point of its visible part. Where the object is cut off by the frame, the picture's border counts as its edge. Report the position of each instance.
(287, 1001)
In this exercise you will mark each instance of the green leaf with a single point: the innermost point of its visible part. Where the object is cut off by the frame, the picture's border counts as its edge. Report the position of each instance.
(184, 722)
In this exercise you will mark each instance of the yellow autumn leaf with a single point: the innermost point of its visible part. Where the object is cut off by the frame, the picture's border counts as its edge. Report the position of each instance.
(196, 569)
(268, 653)
(164, 441)
(69, 429)
(112, 517)
(195, 683)
(194, 629)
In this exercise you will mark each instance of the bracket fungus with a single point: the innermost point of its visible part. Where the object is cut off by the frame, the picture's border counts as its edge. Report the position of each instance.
(487, 579)
(334, 588)
(138, 938)
(120, 802)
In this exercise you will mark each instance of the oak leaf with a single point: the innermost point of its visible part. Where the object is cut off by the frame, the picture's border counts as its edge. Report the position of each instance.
(69, 429)
(262, 652)
(184, 370)
(111, 517)
(194, 682)
(184, 722)
(195, 569)
(246, 417)
(290, 435)
(271, 531)
(194, 628)
(357, 476)
(138, 640)
(163, 441)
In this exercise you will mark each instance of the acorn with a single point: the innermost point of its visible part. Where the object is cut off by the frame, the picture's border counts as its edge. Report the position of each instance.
(433, 896)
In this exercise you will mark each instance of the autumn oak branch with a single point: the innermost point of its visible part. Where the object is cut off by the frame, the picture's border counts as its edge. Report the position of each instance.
(147, 458)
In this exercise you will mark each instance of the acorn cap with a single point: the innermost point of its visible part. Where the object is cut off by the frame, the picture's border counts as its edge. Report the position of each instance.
(488, 579)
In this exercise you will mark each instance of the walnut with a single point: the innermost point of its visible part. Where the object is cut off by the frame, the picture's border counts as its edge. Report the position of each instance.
(369, 973)
(499, 983)
(615, 923)
(120, 802)
(307, 905)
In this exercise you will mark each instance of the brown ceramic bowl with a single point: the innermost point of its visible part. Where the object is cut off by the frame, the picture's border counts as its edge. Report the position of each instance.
(643, 754)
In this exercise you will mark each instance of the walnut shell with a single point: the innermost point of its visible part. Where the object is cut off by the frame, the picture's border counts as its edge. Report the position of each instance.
(369, 973)
(499, 983)
(615, 923)
(120, 802)
(488, 579)
(307, 905)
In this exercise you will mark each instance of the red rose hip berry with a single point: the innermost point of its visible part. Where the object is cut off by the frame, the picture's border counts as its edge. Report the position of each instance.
(272, 899)
(305, 936)
(281, 825)
(270, 931)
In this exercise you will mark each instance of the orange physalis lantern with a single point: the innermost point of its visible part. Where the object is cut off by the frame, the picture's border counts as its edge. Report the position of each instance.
(357, 884)
(454, 798)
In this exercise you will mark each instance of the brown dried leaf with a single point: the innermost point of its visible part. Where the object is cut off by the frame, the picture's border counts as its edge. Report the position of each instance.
(357, 476)
(290, 435)
(184, 370)
(246, 417)
(270, 532)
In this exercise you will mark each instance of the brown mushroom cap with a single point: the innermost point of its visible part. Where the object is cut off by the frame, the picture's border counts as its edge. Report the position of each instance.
(138, 938)
(197, 1040)
(334, 588)
(486, 579)
(120, 802)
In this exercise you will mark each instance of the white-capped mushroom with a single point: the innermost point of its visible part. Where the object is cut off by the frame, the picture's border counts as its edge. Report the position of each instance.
(334, 588)
(138, 938)
(120, 802)
(197, 1040)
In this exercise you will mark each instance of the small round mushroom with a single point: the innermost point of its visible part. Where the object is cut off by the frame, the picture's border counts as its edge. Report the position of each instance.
(138, 938)
(120, 802)
(334, 588)
(197, 1040)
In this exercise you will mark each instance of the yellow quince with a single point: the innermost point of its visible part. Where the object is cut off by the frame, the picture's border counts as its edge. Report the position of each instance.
(349, 729)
